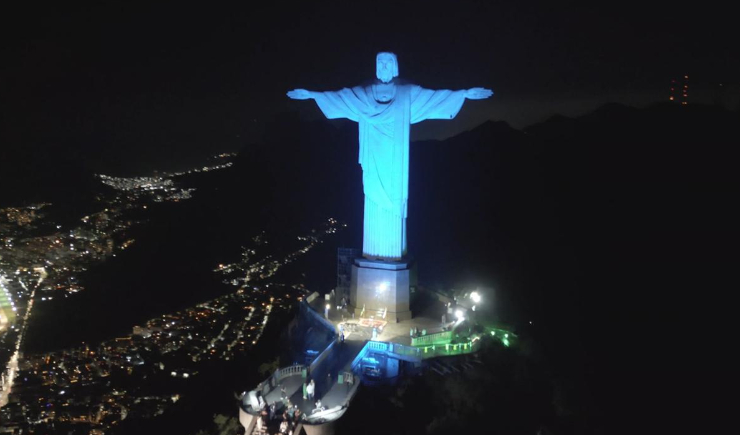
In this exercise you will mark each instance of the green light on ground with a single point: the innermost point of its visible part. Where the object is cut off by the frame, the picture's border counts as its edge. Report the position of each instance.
(506, 337)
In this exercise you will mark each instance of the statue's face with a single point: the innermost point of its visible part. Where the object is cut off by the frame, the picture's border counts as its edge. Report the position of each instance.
(386, 67)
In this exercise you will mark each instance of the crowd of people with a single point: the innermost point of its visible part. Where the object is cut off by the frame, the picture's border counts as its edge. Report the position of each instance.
(269, 413)
(290, 418)
(291, 414)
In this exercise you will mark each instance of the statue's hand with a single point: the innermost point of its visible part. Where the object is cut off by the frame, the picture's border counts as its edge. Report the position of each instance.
(478, 93)
(299, 94)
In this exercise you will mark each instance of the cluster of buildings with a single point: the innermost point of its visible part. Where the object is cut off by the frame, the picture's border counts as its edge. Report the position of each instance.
(40, 261)
(137, 183)
(249, 268)
(95, 387)
(21, 216)
(208, 168)
(159, 189)
(53, 260)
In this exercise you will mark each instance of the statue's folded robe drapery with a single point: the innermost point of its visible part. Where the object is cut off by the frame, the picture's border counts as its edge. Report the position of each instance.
(384, 153)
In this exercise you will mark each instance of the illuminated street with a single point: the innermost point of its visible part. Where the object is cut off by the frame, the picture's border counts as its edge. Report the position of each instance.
(172, 345)
(397, 218)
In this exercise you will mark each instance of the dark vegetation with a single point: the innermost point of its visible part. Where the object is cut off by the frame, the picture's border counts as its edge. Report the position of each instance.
(601, 230)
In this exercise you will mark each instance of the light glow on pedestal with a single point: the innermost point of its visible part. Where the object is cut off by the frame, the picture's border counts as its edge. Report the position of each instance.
(381, 290)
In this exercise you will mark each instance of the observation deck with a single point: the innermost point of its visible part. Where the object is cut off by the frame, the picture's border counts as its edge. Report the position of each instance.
(373, 351)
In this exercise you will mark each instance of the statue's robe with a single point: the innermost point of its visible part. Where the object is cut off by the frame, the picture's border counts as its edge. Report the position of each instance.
(384, 153)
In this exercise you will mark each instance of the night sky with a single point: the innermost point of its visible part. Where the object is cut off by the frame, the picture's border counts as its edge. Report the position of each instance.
(125, 88)
(139, 86)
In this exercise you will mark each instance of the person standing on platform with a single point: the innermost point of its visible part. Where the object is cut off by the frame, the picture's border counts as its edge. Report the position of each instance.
(348, 379)
(311, 389)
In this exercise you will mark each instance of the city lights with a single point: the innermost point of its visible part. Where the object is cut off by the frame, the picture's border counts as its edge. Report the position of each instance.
(217, 329)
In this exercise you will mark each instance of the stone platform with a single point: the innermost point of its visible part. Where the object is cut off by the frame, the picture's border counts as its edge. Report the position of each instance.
(427, 319)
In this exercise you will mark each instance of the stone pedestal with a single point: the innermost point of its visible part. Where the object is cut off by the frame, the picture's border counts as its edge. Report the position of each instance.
(380, 285)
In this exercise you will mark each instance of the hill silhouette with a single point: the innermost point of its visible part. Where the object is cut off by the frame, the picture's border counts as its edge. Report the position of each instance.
(588, 227)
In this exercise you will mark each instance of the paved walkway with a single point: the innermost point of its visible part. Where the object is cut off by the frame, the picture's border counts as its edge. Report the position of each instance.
(325, 376)
(430, 320)
(340, 357)
(328, 390)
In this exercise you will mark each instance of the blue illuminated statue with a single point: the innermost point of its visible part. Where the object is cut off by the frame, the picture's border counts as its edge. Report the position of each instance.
(384, 111)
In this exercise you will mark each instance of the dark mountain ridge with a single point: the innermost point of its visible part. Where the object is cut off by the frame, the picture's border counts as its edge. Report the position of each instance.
(588, 227)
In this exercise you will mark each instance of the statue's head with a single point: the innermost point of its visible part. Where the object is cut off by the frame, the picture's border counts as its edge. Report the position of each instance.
(386, 66)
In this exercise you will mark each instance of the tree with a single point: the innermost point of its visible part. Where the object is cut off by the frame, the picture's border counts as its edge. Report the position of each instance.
(268, 368)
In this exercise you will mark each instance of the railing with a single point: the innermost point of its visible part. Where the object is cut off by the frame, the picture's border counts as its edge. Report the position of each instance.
(400, 349)
(449, 349)
(283, 373)
(421, 352)
(432, 339)
(381, 346)
(377, 345)
(273, 381)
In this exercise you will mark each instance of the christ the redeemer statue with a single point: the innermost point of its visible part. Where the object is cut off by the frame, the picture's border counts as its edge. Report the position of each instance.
(384, 110)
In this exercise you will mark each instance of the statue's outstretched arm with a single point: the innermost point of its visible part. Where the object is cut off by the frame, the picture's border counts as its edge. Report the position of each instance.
(334, 104)
(300, 94)
(478, 93)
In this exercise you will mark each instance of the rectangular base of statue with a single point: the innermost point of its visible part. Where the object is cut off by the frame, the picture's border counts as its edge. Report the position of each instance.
(380, 288)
